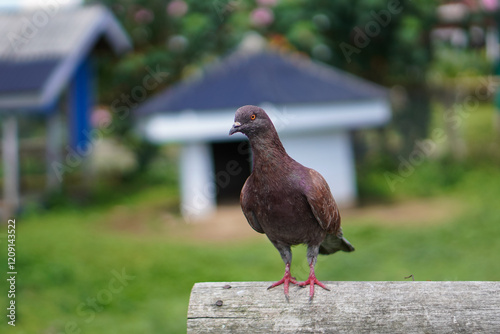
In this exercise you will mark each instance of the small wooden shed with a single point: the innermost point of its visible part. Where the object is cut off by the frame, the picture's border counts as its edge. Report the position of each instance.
(313, 106)
(44, 53)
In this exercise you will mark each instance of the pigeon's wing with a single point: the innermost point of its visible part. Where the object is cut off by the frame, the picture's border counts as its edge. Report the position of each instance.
(245, 200)
(322, 204)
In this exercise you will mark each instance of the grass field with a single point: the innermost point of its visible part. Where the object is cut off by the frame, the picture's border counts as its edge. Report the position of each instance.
(119, 268)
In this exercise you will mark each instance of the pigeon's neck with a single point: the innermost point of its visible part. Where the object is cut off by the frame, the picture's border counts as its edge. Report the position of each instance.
(268, 151)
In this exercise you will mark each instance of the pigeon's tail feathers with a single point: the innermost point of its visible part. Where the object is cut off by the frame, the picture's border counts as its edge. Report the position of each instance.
(334, 243)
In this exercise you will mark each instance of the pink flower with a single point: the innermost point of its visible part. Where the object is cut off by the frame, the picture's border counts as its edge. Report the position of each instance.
(490, 5)
(262, 16)
(100, 117)
(177, 8)
(144, 16)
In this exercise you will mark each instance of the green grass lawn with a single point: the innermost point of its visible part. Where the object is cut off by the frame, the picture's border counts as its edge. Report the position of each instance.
(68, 260)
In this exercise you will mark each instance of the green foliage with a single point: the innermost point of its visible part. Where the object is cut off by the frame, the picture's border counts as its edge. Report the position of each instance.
(452, 63)
(438, 173)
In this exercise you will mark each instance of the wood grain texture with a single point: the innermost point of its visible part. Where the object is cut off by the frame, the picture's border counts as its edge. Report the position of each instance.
(350, 307)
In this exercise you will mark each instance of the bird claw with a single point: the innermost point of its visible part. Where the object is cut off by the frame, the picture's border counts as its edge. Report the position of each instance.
(286, 280)
(311, 281)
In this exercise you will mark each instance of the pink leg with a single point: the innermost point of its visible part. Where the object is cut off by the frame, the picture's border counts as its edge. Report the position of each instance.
(286, 280)
(311, 281)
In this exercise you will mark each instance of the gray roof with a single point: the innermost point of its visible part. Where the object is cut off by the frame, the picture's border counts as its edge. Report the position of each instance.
(37, 62)
(266, 76)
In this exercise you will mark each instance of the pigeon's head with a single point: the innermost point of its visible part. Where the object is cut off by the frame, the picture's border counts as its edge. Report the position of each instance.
(251, 120)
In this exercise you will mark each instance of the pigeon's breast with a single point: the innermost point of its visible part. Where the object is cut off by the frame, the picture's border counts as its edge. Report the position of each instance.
(283, 211)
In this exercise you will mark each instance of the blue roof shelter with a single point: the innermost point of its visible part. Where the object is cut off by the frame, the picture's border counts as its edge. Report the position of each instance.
(43, 53)
(267, 76)
(313, 106)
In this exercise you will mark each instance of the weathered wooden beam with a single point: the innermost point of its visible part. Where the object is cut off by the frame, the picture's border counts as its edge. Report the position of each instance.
(350, 307)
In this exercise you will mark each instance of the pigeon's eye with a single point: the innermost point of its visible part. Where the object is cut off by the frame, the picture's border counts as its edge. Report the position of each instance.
(253, 117)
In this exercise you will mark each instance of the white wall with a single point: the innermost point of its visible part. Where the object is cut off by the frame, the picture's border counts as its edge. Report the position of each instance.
(331, 154)
(198, 192)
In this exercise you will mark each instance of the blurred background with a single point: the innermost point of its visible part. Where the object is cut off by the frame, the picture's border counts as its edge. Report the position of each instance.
(124, 185)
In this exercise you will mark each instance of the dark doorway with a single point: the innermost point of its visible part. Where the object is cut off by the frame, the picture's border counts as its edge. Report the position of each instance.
(232, 167)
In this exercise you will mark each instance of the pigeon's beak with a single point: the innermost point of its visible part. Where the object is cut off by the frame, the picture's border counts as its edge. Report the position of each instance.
(235, 128)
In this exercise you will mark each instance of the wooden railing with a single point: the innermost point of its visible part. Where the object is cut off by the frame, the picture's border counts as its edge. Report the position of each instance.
(350, 307)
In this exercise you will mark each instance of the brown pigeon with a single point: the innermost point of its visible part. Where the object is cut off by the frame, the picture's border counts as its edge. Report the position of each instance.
(290, 203)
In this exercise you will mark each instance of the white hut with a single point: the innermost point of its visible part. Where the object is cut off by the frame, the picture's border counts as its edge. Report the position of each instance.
(313, 106)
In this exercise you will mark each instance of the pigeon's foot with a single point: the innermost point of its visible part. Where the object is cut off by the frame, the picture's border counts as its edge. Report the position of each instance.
(311, 281)
(286, 280)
